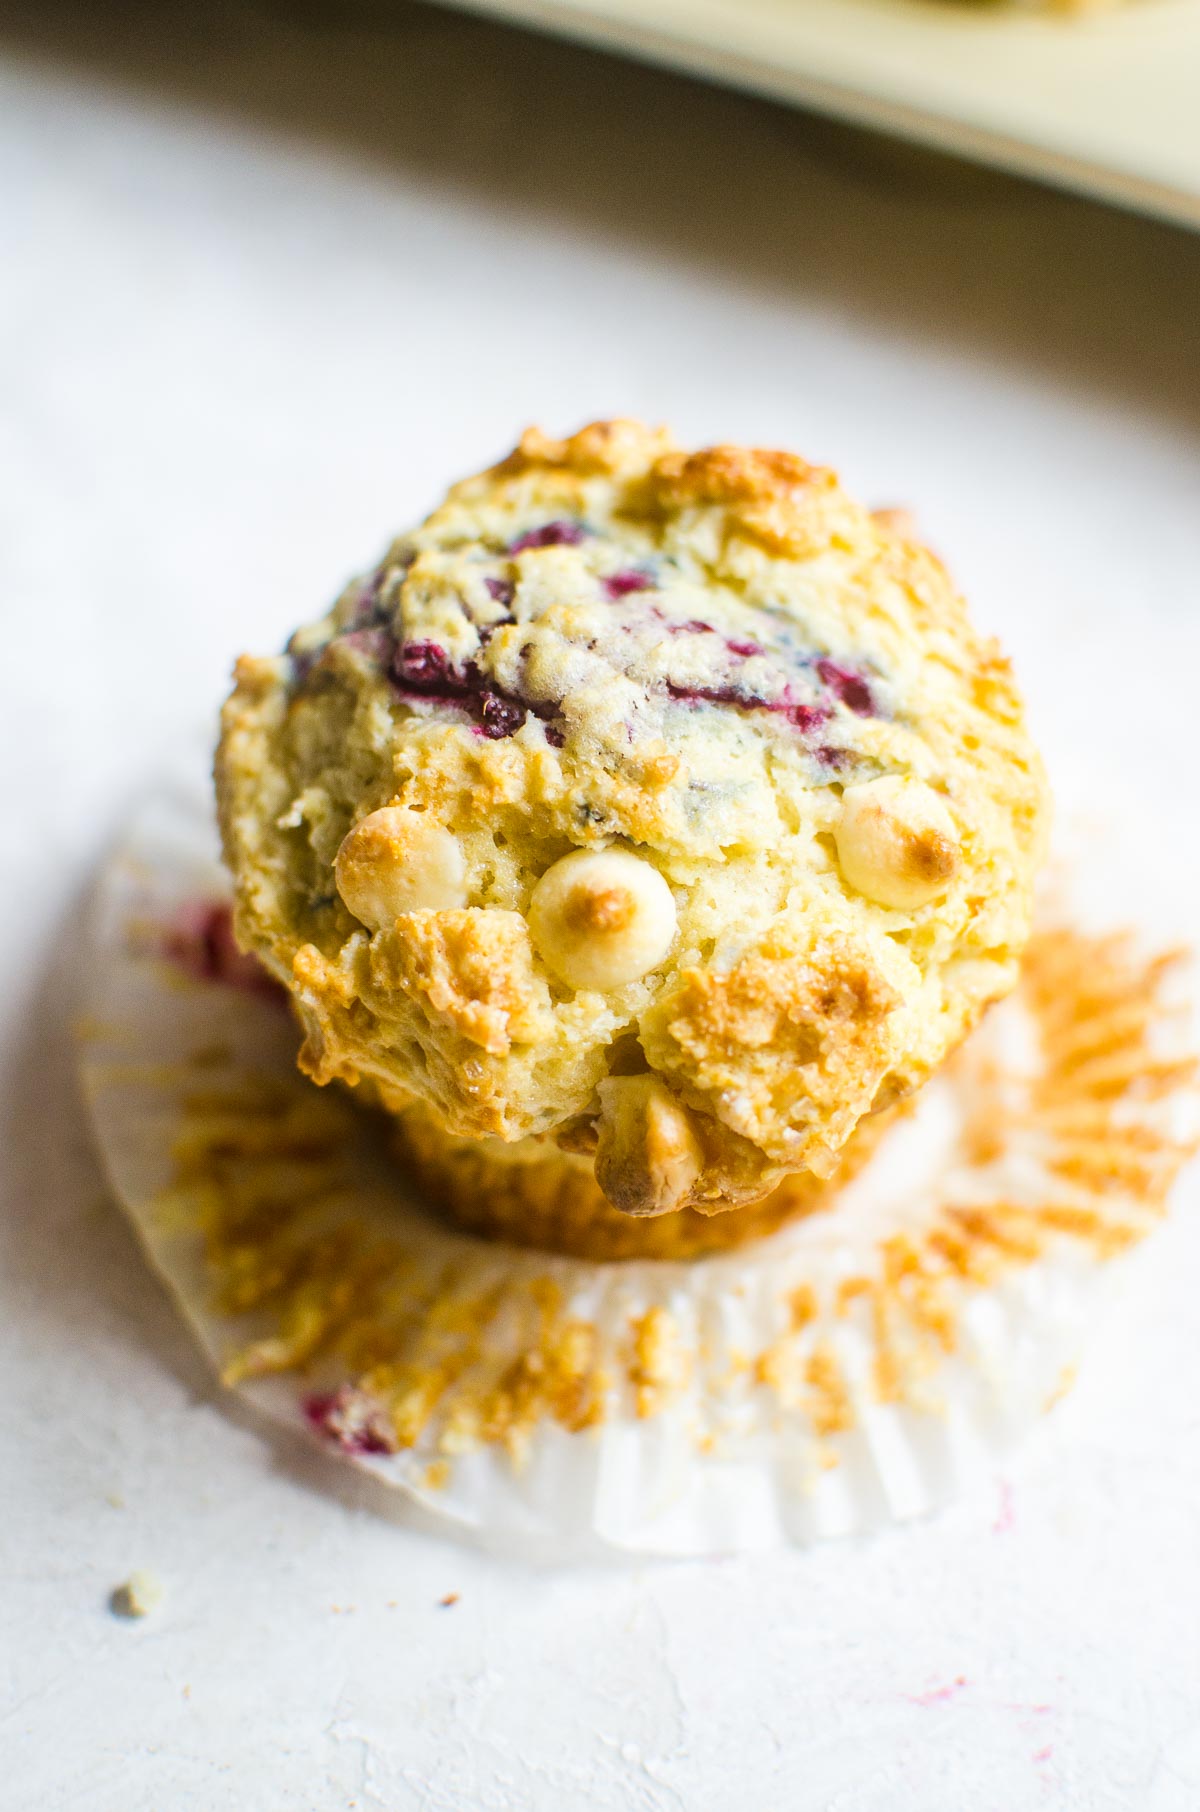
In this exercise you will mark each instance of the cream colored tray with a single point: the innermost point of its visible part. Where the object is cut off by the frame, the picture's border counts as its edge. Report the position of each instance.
(1107, 102)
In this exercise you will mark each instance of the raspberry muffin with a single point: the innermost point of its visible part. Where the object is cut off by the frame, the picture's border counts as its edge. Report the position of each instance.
(663, 804)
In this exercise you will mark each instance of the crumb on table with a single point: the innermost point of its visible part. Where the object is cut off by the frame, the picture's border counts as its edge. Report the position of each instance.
(141, 1593)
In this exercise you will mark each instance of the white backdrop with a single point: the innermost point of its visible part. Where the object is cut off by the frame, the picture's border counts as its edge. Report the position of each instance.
(267, 282)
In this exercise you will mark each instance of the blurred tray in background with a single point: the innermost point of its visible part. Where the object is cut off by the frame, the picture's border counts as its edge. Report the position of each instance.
(1105, 102)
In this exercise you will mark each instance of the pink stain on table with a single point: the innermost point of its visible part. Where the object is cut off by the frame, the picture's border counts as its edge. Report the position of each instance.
(1006, 1515)
(938, 1695)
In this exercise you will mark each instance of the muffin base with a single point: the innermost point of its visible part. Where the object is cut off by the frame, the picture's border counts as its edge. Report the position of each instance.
(533, 1194)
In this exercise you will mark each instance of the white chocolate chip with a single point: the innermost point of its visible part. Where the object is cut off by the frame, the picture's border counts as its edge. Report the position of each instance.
(601, 917)
(896, 841)
(648, 1155)
(396, 861)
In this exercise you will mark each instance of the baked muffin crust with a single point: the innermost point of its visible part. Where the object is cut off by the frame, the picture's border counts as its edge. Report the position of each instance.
(802, 781)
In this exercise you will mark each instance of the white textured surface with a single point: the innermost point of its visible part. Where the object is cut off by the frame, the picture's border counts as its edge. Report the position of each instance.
(264, 287)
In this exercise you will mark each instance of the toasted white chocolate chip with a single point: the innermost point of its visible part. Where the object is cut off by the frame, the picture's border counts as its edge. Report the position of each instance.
(896, 841)
(398, 861)
(647, 1155)
(601, 917)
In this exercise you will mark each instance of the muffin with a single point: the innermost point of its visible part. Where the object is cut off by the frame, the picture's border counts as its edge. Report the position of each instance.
(664, 805)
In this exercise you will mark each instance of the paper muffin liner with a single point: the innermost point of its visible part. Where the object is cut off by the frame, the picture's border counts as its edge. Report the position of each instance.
(861, 1365)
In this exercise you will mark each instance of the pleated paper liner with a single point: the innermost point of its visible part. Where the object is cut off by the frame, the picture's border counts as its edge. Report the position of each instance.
(860, 1365)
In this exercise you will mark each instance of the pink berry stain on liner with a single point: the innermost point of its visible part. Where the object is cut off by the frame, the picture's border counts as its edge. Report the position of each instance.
(348, 1421)
(199, 941)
